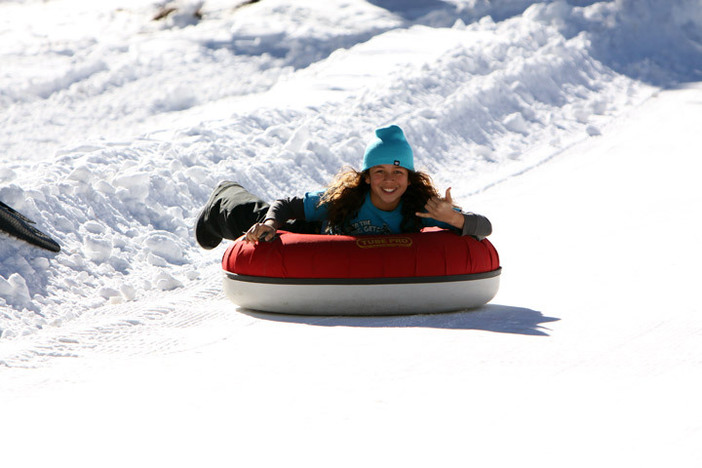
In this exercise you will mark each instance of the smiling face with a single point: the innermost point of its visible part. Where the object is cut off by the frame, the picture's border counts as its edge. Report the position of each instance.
(387, 185)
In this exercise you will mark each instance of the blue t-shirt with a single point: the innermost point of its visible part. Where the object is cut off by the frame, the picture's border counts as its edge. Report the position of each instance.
(370, 220)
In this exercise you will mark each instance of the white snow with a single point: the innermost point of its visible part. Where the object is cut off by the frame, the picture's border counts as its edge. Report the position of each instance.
(572, 125)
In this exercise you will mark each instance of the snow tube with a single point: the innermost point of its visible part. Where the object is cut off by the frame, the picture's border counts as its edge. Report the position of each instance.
(312, 274)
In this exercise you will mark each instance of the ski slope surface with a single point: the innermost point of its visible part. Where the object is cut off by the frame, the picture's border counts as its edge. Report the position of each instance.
(572, 125)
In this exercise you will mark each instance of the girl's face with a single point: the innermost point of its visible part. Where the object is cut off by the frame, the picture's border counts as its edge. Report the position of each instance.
(387, 185)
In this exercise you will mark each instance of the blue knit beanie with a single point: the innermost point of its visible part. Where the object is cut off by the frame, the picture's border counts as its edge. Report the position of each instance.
(389, 147)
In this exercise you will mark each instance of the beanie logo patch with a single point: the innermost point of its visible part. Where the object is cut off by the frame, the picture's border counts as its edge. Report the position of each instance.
(396, 163)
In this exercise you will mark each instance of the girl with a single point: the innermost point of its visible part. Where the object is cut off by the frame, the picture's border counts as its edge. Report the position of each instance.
(386, 197)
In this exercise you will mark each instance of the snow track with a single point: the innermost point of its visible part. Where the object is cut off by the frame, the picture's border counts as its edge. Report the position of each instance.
(161, 324)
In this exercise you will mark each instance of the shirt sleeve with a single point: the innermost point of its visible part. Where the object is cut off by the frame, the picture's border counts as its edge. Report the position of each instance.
(474, 225)
(286, 208)
(314, 211)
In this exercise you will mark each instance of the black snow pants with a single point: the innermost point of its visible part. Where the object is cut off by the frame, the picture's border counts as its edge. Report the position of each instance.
(231, 210)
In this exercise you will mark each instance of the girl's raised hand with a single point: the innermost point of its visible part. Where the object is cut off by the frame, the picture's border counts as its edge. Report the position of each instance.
(442, 209)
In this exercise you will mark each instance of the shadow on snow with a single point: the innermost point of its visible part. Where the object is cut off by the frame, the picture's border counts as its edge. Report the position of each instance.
(491, 317)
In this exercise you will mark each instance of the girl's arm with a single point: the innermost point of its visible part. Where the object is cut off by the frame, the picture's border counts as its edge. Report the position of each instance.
(476, 225)
(278, 214)
(470, 224)
(285, 209)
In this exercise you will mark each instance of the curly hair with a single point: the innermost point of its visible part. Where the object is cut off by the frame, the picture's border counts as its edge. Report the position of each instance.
(347, 191)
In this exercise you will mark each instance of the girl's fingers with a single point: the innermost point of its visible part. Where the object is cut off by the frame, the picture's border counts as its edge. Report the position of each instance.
(260, 232)
(256, 231)
(269, 235)
(436, 206)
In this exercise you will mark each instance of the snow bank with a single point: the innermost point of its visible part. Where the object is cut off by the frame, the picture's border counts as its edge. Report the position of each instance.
(115, 131)
(659, 42)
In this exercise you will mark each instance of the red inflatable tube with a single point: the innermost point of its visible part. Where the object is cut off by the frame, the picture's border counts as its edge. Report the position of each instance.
(433, 253)
(432, 271)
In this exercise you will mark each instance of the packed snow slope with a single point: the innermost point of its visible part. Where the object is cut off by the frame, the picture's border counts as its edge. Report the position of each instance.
(590, 356)
(114, 127)
(572, 125)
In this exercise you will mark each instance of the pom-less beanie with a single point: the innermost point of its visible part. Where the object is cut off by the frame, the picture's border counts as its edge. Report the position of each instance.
(389, 147)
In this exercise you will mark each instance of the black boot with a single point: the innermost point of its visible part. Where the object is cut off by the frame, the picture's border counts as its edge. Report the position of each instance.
(20, 226)
(229, 212)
